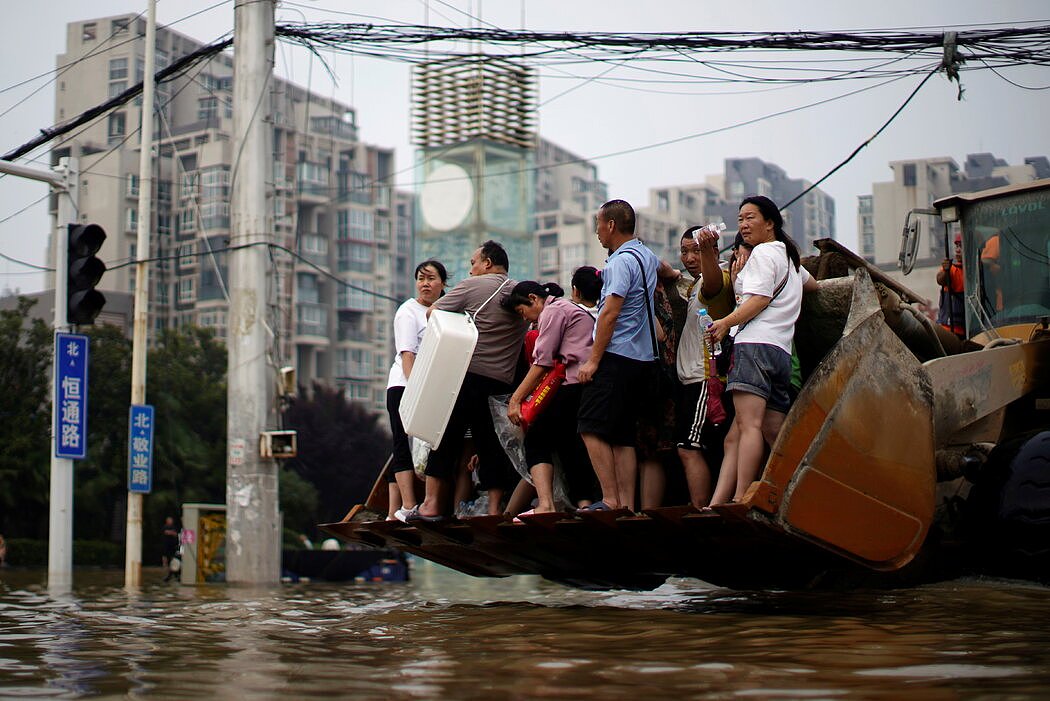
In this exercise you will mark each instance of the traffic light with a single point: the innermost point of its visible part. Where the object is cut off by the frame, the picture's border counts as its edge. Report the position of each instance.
(84, 271)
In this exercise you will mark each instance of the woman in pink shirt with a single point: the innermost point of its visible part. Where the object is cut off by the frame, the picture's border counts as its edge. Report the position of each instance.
(565, 334)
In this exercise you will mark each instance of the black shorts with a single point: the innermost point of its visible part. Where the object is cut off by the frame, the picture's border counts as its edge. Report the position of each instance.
(612, 400)
(472, 411)
(554, 431)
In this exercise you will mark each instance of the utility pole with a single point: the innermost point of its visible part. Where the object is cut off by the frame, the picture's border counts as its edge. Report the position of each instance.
(64, 180)
(252, 523)
(139, 348)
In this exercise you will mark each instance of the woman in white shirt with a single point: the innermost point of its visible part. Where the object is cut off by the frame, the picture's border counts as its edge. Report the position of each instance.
(771, 285)
(410, 321)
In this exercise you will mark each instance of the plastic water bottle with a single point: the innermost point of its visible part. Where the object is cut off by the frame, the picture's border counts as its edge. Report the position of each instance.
(705, 325)
(715, 228)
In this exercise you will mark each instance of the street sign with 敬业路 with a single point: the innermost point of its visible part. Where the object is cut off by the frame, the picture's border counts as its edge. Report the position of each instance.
(140, 448)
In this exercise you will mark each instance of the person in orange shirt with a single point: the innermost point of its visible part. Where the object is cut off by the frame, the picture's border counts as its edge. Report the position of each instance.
(950, 313)
(992, 266)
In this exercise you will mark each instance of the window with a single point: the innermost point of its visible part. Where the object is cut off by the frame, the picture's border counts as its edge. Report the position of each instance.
(207, 108)
(187, 221)
(133, 186)
(186, 289)
(131, 219)
(118, 69)
(188, 185)
(356, 224)
(215, 215)
(116, 127)
(88, 31)
(359, 299)
(355, 256)
(308, 289)
(908, 174)
(117, 86)
(215, 183)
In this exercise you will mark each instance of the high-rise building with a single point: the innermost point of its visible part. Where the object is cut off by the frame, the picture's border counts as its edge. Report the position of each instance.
(568, 194)
(332, 204)
(810, 218)
(672, 210)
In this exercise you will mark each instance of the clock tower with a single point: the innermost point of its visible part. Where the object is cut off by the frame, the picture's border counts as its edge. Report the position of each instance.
(473, 121)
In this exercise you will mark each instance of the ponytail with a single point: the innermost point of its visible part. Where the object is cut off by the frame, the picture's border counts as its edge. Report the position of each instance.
(520, 294)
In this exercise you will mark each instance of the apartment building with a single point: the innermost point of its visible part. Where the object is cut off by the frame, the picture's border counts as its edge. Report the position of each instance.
(333, 206)
(810, 218)
(568, 194)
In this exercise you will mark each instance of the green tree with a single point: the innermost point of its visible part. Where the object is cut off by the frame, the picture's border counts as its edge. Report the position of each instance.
(100, 480)
(26, 349)
(187, 388)
(342, 448)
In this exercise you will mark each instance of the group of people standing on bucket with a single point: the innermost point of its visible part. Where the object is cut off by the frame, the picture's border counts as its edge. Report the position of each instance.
(641, 382)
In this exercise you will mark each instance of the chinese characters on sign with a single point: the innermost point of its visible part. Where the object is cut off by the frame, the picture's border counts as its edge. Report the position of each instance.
(71, 392)
(140, 448)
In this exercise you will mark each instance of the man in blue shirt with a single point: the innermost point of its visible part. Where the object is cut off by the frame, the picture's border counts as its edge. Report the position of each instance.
(621, 358)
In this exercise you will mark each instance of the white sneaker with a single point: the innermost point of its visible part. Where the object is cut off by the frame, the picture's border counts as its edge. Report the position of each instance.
(402, 514)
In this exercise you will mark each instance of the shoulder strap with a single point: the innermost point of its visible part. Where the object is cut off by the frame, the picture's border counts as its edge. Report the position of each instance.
(477, 311)
(645, 301)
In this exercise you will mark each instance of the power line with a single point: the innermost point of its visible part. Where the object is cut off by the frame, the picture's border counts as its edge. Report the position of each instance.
(868, 141)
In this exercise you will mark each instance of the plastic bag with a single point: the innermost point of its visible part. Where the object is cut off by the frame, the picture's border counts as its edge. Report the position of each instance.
(512, 438)
(420, 454)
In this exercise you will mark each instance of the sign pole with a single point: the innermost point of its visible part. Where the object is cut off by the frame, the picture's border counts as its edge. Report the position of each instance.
(133, 542)
(60, 521)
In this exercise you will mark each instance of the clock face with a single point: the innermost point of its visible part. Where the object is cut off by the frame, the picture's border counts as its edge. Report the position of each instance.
(447, 197)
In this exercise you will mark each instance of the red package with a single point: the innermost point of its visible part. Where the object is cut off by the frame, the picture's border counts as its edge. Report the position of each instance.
(542, 396)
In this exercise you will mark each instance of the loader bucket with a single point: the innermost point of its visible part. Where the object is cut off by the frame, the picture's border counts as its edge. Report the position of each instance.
(853, 470)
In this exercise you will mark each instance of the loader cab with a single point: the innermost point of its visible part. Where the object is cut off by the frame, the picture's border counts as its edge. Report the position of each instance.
(1006, 255)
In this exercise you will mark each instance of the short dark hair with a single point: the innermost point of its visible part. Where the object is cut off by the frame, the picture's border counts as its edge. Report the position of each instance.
(436, 265)
(620, 213)
(496, 254)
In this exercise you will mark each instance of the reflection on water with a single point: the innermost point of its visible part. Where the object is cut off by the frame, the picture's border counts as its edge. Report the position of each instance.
(449, 636)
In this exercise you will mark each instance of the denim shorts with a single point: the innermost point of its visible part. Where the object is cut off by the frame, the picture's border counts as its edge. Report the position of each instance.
(764, 370)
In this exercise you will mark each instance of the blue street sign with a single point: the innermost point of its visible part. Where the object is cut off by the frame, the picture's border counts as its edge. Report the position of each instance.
(140, 448)
(71, 395)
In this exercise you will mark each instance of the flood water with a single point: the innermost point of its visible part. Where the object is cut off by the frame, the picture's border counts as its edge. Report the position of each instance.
(450, 636)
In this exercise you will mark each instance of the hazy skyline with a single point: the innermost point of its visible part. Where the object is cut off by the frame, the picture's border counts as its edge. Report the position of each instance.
(600, 108)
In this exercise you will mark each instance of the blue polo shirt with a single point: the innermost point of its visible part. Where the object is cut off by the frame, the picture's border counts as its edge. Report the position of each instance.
(622, 276)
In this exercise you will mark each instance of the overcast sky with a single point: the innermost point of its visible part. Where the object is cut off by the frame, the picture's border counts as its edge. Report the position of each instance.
(626, 108)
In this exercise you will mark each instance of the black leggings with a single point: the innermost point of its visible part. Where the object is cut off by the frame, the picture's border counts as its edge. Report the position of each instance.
(401, 460)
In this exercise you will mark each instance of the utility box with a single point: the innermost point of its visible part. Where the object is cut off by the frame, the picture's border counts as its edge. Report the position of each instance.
(203, 541)
(279, 445)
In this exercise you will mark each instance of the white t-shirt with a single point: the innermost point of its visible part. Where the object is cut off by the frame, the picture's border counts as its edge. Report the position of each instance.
(410, 321)
(765, 269)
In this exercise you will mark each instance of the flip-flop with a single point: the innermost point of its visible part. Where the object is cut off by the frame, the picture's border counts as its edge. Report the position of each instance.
(414, 515)
(530, 512)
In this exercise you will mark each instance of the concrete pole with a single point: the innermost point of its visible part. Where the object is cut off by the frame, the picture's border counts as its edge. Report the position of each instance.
(252, 527)
(60, 514)
(139, 347)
